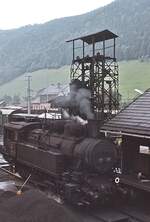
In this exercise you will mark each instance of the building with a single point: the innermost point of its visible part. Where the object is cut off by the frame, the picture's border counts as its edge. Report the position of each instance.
(132, 124)
(44, 96)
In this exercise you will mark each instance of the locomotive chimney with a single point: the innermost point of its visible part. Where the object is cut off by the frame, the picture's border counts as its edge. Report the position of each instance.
(93, 128)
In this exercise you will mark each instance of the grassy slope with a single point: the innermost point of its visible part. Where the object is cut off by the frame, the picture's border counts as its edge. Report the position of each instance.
(39, 79)
(133, 74)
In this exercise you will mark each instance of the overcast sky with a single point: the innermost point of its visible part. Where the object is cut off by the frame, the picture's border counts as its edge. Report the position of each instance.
(16, 13)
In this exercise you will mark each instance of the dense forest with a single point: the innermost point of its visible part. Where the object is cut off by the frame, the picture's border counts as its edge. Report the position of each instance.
(41, 46)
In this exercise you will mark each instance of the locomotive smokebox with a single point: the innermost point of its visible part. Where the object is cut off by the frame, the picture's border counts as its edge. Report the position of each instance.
(93, 128)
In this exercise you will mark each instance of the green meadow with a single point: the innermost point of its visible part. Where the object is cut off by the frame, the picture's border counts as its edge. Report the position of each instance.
(132, 75)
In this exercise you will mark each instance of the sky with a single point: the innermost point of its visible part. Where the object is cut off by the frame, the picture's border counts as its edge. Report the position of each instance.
(17, 13)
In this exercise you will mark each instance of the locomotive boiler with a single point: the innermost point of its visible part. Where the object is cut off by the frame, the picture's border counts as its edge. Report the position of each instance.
(66, 155)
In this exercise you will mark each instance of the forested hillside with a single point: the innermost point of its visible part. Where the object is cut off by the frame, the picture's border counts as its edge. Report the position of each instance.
(37, 47)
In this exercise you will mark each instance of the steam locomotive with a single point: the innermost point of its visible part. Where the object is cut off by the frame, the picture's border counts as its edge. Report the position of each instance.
(66, 155)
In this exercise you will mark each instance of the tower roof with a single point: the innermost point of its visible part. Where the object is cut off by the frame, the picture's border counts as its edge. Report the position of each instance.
(96, 37)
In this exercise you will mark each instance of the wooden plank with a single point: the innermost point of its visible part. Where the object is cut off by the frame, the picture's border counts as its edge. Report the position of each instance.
(125, 129)
(135, 111)
(130, 123)
(147, 115)
(142, 104)
(139, 117)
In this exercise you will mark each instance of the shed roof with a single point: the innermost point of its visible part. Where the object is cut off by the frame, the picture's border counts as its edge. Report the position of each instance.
(134, 119)
(96, 37)
(6, 111)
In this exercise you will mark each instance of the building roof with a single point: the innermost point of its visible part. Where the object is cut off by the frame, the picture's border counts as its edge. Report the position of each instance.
(96, 37)
(2, 102)
(6, 111)
(134, 119)
(55, 89)
(9, 109)
(13, 107)
(36, 100)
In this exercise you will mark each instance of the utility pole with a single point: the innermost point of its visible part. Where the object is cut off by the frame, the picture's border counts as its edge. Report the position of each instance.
(29, 94)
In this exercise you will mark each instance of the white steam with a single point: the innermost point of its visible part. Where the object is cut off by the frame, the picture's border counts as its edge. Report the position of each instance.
(80, 98)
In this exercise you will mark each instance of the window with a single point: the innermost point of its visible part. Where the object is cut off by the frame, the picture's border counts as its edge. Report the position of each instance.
(144, 149)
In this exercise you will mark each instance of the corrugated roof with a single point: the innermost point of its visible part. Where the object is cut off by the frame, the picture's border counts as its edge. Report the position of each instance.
(134, 119)
(96, 37)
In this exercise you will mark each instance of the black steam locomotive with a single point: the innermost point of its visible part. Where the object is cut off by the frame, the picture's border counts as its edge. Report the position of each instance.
(66, 155)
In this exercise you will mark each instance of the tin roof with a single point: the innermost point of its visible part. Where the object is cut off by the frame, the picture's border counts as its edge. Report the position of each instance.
(134, 119)
(96, 37)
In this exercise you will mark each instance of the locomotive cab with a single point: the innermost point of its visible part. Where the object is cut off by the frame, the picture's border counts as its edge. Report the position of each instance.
(15, 132)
